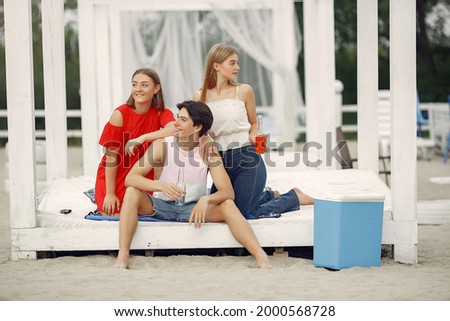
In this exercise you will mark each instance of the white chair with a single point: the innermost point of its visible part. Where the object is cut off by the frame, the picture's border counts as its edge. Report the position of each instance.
(425, 146)
(440, 122)
(384, 122)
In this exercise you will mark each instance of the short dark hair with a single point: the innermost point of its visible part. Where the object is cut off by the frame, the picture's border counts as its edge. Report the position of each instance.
(199, 113)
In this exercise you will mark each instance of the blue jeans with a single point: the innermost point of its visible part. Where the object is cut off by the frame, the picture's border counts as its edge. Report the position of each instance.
(248, 176)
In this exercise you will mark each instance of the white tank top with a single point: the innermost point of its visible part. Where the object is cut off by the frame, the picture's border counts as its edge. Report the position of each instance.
(195, 170)
(230, 128)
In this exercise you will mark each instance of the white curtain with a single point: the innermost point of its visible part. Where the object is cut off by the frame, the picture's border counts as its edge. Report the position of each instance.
(175, 44)
(167, 42)
(261, 35)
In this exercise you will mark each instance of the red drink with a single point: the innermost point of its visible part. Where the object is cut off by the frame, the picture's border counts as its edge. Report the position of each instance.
(260, 141)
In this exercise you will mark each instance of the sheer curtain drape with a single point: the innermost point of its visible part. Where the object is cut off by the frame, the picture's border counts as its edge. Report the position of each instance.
(175, 45)
(169, 43)
(258, 34)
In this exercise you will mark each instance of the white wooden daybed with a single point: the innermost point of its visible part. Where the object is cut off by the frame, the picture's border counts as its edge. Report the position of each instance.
(59, 232)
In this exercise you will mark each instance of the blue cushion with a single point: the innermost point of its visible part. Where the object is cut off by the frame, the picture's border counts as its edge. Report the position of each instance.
(95, 216)
(90, 194)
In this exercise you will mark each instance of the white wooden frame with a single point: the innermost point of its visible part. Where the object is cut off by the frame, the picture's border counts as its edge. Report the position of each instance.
(27, 238)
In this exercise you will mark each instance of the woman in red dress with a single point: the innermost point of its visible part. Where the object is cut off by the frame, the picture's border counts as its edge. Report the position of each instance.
(144, 113)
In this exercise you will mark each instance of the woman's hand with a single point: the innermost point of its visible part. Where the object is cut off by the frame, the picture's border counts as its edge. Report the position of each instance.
(208, 149)
(132, 144)
(111, 204)
(169, 130)
(252, 138)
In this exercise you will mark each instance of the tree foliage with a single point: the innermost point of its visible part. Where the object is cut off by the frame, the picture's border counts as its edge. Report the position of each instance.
(433, 47)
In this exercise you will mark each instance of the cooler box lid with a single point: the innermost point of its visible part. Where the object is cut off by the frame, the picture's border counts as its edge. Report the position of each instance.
(356, 197)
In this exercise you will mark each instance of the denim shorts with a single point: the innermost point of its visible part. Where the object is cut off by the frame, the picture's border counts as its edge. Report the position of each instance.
(169, 211)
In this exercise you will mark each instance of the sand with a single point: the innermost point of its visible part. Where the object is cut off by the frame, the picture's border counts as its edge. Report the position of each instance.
(197, 276)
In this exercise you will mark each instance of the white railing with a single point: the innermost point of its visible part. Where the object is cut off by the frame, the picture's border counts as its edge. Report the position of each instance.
(40, 113)
(301, 129)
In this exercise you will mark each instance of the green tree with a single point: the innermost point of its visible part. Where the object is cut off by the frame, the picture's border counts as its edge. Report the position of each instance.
(433, 48)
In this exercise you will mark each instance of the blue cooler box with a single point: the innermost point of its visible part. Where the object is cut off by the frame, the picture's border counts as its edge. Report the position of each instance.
(347, 230)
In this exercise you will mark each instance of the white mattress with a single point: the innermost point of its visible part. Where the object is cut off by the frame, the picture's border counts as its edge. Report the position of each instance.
(67, 193)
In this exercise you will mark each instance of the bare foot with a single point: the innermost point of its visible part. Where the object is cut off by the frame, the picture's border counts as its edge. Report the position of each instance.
(263, 261)
(276, 193)
(303, 198)
(122, 261)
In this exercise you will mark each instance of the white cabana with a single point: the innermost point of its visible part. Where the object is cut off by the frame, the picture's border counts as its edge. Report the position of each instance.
(104, 71)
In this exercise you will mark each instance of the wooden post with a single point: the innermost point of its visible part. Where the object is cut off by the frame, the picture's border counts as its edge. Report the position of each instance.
(403, 122)
(312, 92)
(20, 96)
(54, 88)
(320, 74)
(88, 87)
(286, 96)
(103, 66)
(118, 93)
(367, 61)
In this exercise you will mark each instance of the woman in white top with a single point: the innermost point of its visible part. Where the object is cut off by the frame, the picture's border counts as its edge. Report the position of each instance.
(234, 130)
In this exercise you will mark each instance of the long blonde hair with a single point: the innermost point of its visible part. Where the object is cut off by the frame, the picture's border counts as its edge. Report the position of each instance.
(218, 53)
(158, 98)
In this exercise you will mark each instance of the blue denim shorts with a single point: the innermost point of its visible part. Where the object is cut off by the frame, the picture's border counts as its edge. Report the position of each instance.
(169, 211)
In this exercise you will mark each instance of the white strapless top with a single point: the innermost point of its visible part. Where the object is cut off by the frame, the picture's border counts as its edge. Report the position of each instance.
(230, 127)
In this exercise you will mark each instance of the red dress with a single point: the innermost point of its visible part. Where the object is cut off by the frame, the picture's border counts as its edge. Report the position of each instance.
(134, 125)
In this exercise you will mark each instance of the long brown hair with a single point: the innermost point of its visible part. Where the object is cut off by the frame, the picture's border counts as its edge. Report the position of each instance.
(158, 98)
(218, 53)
